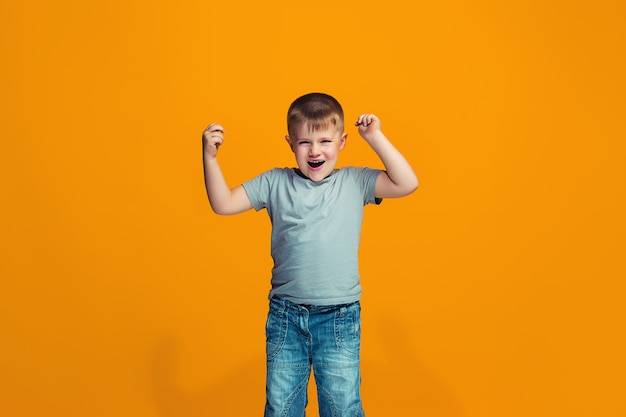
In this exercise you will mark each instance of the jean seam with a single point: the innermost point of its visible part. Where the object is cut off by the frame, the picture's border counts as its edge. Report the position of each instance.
(289, 401)
(284, 328)
(333, 408)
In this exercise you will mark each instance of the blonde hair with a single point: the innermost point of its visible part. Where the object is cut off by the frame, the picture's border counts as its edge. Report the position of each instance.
(318, 110)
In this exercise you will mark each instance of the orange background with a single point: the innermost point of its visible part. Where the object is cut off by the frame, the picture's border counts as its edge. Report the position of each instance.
(495, 290)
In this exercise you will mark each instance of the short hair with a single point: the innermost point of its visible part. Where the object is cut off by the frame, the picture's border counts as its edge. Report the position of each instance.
(318, 110)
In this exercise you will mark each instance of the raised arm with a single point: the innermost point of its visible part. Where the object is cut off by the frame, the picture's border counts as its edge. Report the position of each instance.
(223, 199)
(398, 179)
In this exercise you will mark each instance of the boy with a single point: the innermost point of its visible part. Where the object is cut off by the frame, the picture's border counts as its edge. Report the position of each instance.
(316, 212)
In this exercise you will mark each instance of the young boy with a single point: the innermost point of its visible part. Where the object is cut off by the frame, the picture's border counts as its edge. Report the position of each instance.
(316, 212)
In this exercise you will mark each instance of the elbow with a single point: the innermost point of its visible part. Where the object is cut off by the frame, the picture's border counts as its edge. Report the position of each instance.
(410, 190)
(218, 209)
(224, 210)
(412, 185)
(220, 212)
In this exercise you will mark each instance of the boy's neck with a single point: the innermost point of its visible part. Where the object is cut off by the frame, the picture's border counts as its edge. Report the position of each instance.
(300, 174)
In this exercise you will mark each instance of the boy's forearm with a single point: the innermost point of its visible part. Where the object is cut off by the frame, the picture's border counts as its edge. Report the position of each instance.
(217, 190)
(397, 167)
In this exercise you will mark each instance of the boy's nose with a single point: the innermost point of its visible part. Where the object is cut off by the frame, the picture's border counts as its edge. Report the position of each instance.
(314, 150)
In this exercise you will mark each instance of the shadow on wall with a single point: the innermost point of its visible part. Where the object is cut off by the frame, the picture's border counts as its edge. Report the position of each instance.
(242, 393)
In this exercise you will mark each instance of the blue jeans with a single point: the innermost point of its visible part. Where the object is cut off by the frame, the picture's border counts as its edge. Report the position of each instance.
(326, 338)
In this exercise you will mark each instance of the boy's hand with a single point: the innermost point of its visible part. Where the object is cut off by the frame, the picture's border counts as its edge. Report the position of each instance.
(212, 138)
(369, 126)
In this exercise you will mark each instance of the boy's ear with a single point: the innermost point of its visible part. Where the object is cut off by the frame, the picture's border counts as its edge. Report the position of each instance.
(342, 141)
(288, 139)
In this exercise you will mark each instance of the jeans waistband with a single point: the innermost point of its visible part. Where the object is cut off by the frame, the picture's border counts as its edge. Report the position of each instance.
(285, 304)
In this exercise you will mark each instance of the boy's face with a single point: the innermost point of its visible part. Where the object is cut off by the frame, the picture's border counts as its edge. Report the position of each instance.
(317, 151)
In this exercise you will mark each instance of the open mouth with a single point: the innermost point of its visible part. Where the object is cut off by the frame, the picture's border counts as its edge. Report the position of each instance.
(315, 164)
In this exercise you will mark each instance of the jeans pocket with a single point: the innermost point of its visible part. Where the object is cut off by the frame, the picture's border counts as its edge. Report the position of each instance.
(348, 329)
(275, 332)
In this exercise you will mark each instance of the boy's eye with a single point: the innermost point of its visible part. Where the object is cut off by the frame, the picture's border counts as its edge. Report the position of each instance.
(303, 142)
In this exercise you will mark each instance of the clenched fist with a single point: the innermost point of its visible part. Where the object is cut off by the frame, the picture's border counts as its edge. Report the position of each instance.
(212, 138)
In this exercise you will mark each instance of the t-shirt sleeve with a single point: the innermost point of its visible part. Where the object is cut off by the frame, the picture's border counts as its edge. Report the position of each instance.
(258, 189)
(366, 177)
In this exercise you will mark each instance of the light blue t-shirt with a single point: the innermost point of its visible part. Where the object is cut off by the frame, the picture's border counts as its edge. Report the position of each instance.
(316, 229)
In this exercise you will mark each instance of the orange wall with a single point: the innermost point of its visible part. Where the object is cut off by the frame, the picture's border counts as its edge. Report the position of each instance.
(495, 290)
